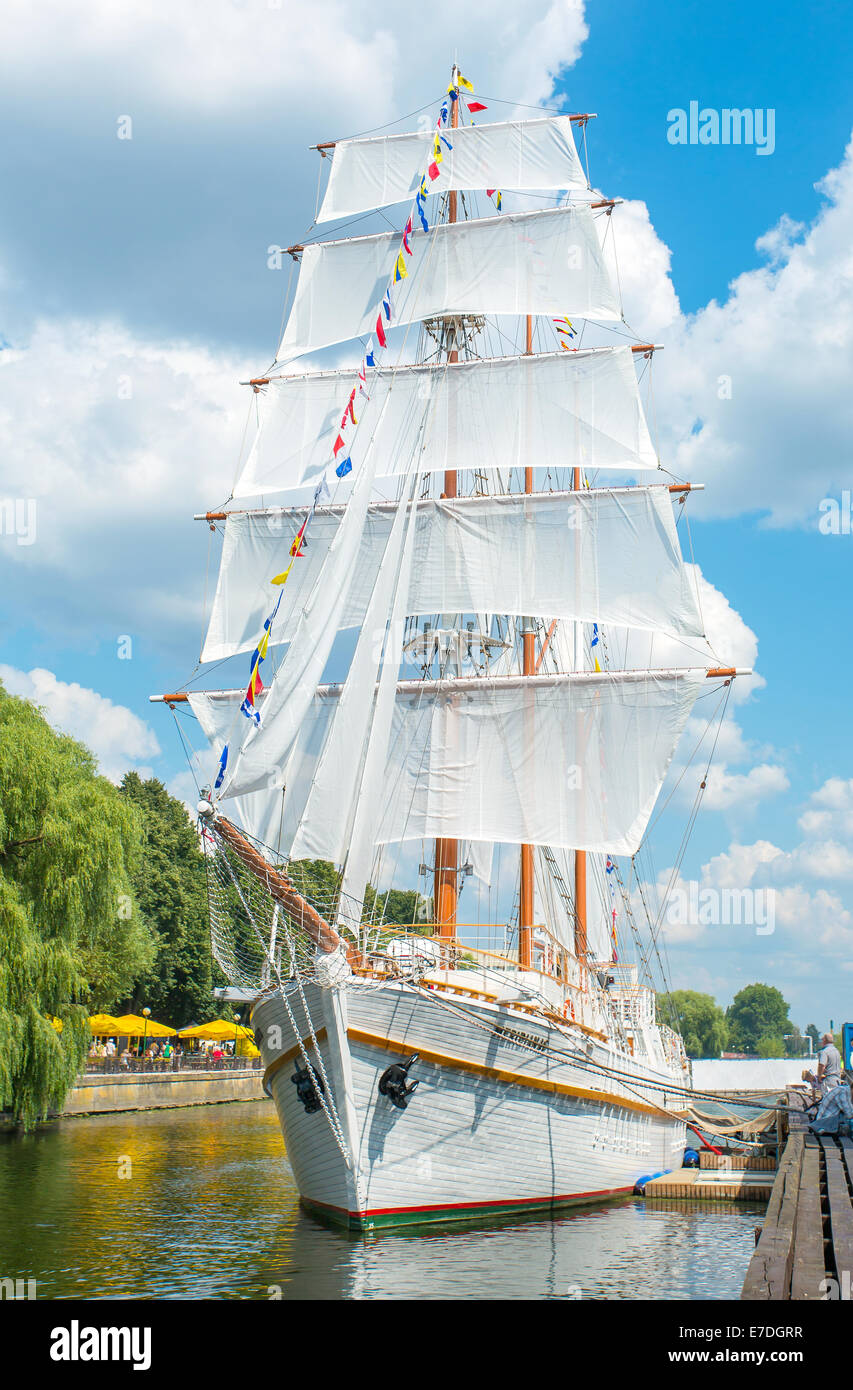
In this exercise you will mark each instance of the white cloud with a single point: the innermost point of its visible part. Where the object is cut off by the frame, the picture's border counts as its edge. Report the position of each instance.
(328, 58)
(764, 426)
(117, 441)
(118, 737)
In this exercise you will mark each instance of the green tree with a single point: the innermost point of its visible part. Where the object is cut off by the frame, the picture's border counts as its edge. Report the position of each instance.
(170, 887)
(758, 1013)
(811, 1032)
(770, 1045)
(68, 844)
(699, 1020)
(397, 906)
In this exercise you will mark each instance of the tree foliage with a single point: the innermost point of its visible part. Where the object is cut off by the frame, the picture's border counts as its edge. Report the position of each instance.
(170, 889)
(68, 844)
(700, 1021)
(758, 1013)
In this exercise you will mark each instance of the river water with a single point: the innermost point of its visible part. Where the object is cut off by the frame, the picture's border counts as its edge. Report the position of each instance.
(201, 1203)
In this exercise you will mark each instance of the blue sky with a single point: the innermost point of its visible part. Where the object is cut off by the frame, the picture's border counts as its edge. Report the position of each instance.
(146, 259)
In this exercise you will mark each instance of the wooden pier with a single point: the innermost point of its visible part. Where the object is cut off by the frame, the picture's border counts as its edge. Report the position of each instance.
(807, 1235)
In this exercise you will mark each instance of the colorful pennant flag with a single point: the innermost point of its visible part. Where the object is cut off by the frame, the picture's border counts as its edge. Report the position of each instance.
(380, 332)
(369, 359)
(338, 445)
(401, 271)
(321, 492)
(223, 763)
(256, 685)
(421, 213)
(474, 106)
(349, 413)
(344, 467)
(594, 643)
(386, 305)
(433, 170)
(464, 83)
(407, 233)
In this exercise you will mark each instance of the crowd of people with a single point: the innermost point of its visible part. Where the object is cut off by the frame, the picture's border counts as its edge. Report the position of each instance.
(130, 1051)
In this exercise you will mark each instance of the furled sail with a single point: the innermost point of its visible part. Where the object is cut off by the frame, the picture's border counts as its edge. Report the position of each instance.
(608, 556)
(371, 173)
(547, 262)
(581, 408)
(571, 761)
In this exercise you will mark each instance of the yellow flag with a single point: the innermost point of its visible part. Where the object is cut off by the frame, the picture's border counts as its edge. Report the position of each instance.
(283, 577)
(402, 272)
(597, 667)
(463, 82)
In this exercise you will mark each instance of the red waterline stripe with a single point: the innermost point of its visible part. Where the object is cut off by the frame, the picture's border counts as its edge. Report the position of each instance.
(475, 1206)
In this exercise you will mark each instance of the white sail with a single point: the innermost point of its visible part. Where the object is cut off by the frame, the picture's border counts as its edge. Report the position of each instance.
(547, 262)
(262, 752)
(571, 761)
(372, 173)
(272, 814)
(582, 408)
(336, 781)
(574, 761)
(595, 556)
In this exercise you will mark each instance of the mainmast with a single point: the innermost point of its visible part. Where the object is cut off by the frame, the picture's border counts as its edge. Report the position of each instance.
(446, 872)
(580, 859)
(528, 641)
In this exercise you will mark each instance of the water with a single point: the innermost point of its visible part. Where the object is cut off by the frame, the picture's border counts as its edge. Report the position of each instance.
(201, 1203)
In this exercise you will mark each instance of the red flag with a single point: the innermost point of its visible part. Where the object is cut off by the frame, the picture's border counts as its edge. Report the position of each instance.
(339, 444)
(433, 170)
(489, 192)
(380, 333)
(476, 106)
(407, 233)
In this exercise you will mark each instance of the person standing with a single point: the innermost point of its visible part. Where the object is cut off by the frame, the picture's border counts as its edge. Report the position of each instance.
(828, 1065)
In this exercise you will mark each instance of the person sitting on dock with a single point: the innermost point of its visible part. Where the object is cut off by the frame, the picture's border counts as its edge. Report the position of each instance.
(835, 1112)
(828, 1067)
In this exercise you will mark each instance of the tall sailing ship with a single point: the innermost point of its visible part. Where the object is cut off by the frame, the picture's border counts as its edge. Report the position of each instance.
(448, 541)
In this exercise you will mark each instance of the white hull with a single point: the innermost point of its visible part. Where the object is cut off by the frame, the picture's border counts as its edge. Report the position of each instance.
(493, 1127)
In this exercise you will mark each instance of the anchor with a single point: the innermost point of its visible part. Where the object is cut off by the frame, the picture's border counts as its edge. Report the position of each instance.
(392, 1082)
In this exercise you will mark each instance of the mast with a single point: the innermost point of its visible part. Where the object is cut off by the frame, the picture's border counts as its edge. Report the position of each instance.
(445, 874)
(580, 860)
(528, 641)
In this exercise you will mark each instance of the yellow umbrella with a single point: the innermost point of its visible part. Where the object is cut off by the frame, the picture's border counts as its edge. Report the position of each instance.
(132, 1026)
(218, 1030)
(105, 1026)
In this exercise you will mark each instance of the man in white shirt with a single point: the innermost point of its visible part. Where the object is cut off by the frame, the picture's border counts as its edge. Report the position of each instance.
(828, 1064)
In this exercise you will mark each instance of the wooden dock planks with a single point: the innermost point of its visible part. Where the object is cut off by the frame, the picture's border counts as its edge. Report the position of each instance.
(838, 1195)
(809, 1268)
(769, 1273)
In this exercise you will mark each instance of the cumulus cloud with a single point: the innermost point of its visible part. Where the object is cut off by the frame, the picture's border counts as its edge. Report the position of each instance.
(119, 739)
(116, 441)
(765, 428)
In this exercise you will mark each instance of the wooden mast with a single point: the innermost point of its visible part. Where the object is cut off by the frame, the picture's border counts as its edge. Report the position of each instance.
(445, 874)
(528, 642)
(580, 861)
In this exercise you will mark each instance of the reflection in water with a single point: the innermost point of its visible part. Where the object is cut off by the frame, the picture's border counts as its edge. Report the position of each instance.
(207, 1208)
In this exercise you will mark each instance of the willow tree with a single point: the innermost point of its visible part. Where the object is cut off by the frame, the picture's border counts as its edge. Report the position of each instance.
(68, 842)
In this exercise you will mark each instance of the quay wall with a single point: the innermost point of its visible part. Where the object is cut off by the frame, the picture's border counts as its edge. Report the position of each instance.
(750, 1073)
(95, 1094)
